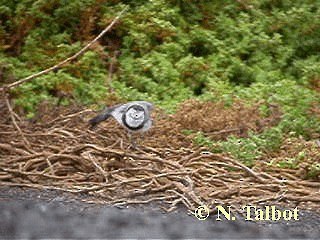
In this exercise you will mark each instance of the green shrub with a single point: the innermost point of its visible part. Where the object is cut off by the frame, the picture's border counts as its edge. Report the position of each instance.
(170, 51)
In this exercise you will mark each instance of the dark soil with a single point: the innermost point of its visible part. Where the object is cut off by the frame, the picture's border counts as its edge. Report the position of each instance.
(33, 214)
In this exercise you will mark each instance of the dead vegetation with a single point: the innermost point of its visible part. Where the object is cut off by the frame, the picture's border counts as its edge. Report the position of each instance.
(59, 152)
(217, 121)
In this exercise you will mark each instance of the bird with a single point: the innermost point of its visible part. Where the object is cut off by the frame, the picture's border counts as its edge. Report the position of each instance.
(133, 116)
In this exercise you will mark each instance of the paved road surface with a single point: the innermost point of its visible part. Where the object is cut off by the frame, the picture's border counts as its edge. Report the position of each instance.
(27, 213)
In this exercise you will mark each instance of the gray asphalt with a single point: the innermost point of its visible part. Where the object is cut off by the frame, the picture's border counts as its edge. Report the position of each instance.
(34, 214)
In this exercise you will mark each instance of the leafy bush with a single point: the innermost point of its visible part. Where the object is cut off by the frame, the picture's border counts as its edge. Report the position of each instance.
(247, 149)
(171, 51)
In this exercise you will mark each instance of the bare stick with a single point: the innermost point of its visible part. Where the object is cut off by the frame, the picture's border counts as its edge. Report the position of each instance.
(60, 64)
(245, 168)
(103, 172)
(16, 125)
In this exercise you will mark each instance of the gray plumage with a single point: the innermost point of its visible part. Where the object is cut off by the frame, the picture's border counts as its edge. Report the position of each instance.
(134, 116)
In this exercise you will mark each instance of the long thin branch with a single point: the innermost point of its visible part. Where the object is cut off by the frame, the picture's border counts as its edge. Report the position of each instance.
(16, 125)
(60, 64)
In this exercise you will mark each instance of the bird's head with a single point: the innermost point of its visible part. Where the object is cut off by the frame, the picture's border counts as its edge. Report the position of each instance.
(135, 116)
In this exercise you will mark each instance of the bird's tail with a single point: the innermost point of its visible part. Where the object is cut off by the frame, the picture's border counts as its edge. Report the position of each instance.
(97, 119)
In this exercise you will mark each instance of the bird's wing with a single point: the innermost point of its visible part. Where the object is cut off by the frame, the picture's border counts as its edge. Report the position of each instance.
(104, 115)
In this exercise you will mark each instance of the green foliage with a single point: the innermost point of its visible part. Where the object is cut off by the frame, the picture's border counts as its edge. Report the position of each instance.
(291, 163)
(314, 170)
(170, 51)
(83, 81)
(200, 139)
(249, 149)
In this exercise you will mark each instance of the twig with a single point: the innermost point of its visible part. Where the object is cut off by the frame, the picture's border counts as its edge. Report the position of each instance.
(60, 118)
(100, 169)
(210, 134)
(71, 159)
(127, 202)
(9, 148)
(60, 64)
(245, 168)
(125, 154)
(16, 125)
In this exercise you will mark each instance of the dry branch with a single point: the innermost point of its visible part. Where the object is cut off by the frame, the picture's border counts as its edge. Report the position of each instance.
(75, 160)
(12, 116)
(69, 59)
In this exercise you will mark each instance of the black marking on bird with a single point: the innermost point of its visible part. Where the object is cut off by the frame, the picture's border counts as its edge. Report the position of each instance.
(134, 116)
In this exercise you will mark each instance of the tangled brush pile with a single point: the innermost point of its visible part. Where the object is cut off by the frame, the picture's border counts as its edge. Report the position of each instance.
(59, 152)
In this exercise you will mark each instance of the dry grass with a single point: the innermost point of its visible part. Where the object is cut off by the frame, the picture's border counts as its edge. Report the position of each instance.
(218, 121)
